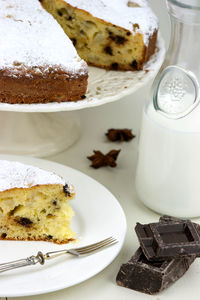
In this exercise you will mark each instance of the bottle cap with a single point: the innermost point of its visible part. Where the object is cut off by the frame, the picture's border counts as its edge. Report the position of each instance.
(177, 92)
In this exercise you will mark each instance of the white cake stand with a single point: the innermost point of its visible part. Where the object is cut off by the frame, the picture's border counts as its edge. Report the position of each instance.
(44, 129)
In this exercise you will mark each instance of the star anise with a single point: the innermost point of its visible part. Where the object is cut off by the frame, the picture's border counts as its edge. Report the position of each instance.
(122, 135)
(100, 160)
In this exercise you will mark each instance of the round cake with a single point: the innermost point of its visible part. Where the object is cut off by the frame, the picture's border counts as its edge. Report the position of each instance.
(38, 62)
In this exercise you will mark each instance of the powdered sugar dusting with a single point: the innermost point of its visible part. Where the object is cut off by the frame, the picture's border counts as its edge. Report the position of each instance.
(123, 13)
(31, 38)
(18, 175)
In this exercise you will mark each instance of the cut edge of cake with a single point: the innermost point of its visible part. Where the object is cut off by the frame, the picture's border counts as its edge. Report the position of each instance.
(99, 41)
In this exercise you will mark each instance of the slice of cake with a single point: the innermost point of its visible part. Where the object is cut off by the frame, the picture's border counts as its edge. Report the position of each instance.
(38, 62)
(34, 204)
(118, 34)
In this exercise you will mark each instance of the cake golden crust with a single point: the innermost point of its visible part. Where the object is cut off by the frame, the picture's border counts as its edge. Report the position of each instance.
(99, 42)
(55, 241)
(32, 188)
(56, 86)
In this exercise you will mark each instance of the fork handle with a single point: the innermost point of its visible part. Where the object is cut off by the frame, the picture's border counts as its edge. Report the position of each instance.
(32, 260)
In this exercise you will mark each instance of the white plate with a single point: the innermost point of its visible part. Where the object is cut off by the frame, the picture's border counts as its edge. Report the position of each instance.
(103, 86)
(98, 215)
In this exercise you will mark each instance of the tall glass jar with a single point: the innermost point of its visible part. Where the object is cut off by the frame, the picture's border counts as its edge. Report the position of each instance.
(168, 169)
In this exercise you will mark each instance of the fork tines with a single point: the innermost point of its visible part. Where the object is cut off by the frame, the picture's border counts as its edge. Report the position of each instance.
(87, 249)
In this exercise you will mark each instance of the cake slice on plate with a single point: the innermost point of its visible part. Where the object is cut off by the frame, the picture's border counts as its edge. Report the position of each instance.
(34, 204)
(38, 62)
(112, 34)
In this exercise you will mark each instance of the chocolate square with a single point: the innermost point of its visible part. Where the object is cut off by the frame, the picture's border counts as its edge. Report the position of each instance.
(151, 276)
(170, 219)
(167, 240)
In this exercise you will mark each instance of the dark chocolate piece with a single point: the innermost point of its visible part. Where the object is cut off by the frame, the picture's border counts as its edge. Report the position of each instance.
(169, 219)
(166, 240)
(151, 277)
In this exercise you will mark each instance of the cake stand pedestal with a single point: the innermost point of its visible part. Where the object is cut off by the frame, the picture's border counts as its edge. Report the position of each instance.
(45, 129)
(37, 134)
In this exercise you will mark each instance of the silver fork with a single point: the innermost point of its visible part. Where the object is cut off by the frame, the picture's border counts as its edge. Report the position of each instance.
(41, 258)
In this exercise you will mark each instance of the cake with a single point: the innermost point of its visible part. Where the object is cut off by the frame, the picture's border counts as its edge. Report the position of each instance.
(34, 204)
(38, 62)
(119, 34)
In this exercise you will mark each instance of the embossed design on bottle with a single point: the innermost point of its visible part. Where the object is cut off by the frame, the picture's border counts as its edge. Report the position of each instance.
(177, 92)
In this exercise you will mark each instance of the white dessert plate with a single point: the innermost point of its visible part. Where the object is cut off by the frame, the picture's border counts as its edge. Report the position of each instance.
(98, 215)
(103, 86)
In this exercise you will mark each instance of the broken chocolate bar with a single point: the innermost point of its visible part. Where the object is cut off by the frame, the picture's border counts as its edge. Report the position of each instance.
(168, 240)
(170, 219)
(151, 277)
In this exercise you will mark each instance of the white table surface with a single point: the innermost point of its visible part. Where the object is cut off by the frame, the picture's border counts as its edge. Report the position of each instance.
(120, 181)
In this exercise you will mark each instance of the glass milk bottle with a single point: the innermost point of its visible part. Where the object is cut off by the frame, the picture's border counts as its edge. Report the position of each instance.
(168, 170)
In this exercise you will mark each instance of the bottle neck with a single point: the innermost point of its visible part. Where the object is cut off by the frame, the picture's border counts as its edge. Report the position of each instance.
(176, 88)
(184, 47)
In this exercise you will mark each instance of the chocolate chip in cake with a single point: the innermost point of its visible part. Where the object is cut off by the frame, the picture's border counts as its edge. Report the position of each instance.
(49, 237)
(69, 18)
(109, 32)
(108, 50)
(54, 202)
(14, 210)
(128, 33)
(66, 190)
(23, 221)
(74, 41)
(83, 97)
(3, 235)
(114, 66)
(120, 40)
(134, 64)
(82, 32)
(60, 13)
(49, 216)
